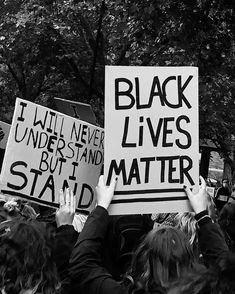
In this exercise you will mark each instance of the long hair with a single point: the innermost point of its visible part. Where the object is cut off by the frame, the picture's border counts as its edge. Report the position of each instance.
(26, 259)
(163, 256)
(188, 225)
(217, 279)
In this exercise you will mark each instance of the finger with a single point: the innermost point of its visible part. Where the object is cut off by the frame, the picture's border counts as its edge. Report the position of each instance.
(203, 183)
(188, 192)
(74, 203)
(61, 197)
(67, 197)
(71, 201)
(113, 183)
(101, 181)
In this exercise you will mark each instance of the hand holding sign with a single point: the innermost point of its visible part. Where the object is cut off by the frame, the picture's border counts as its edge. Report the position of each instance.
(105, 193)
(198, 201)
(65, 214)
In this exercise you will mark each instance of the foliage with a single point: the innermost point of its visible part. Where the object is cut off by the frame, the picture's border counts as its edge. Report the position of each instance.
(47, 49)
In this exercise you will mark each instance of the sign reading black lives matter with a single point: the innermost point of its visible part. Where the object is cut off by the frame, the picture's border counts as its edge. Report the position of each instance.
(151, 137)
(47, 151)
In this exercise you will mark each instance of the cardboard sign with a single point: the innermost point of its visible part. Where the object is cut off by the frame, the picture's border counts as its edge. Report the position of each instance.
(75, 109)
(4, 133)
(151, 137)
(47, 151)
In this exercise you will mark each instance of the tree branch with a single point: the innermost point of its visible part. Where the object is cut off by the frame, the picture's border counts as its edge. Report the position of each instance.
(15, 76)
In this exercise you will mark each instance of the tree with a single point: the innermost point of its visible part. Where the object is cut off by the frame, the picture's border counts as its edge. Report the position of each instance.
(47, 49)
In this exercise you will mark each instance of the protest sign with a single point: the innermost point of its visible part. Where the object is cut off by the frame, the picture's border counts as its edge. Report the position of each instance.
(151, 137)
(47, 151)
(211, 191)
(75, 109)
(4, 133)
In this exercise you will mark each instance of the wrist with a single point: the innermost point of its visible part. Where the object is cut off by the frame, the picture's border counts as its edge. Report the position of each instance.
(203, 218)
(201, 214)
(199, 210)
(63, 223)
(104, 205)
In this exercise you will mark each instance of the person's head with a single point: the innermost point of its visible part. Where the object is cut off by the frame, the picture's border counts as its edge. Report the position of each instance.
(227, 219)
(163, 256)
(225, 183)
(26, 259)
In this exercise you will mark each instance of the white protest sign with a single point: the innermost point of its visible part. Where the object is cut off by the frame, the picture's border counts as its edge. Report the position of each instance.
(4, 133)
(151, 137)
(47, 151)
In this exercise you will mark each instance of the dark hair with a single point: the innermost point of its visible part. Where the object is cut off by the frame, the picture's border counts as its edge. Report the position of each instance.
(164, 256)
(227, 223)
(26, 259)
(228, 211)
(218, 279)
(2, 202)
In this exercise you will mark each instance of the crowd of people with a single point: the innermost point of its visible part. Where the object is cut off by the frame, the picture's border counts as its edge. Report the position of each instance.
(47, 251)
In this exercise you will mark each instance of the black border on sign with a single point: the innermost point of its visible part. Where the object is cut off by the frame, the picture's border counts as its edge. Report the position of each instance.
(149, 191)
(157, 199)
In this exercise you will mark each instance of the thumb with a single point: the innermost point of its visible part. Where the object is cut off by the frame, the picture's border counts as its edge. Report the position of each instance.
(203, 182)
(188, 192)
(101, 181)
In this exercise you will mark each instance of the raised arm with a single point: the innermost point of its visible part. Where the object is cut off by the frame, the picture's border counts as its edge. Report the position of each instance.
(211, 239)
(86, 270)
(66, 236)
